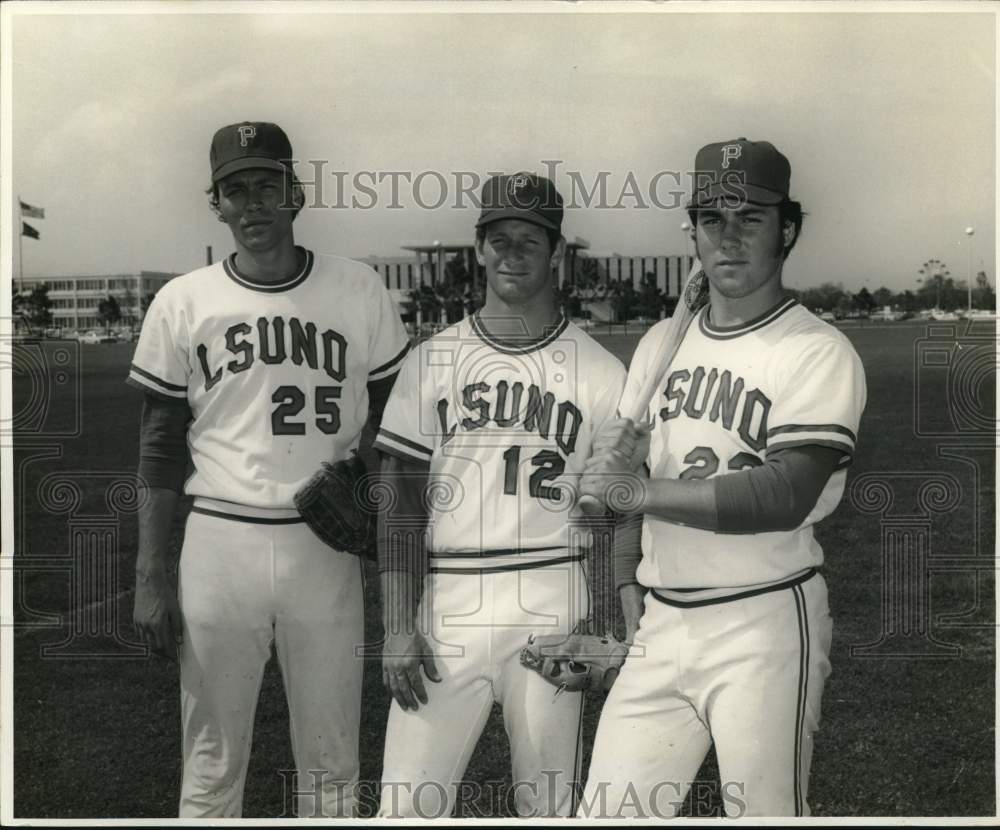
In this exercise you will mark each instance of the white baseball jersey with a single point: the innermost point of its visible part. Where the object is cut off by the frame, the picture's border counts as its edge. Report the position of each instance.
(275, 374)
(505, 432)
(730, 397)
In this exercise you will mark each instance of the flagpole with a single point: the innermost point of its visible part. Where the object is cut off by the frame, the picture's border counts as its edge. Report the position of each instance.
(20, 250)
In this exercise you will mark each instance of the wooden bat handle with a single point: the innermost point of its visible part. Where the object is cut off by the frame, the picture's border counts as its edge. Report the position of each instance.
(691, 297)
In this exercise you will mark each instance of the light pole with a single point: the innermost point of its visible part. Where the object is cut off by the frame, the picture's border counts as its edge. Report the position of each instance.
(686, 230)
(969, 232)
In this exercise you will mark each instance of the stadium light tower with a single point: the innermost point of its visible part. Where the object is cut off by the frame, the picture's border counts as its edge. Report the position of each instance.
(969, 231)
(686, 230)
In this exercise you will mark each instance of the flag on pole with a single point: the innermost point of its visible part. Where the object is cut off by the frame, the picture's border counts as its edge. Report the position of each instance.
(27, 230)
(31, 211)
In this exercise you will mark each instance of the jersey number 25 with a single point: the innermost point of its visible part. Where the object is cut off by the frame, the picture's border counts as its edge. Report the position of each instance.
(291, 401)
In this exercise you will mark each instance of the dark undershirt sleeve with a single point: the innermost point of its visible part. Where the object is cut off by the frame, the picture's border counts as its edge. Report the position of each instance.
(163, 451)
(378, 397)
(779, 494)
(627, 549)
(402, 524)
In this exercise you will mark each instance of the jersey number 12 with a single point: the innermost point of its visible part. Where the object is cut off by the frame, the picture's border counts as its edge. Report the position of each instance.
(549, 464)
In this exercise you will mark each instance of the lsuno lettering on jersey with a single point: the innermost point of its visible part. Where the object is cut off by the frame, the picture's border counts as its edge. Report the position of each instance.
(303, 345)
(504, 409)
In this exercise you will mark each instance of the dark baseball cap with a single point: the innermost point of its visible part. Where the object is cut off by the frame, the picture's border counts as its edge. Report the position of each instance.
(740, 171)
(249, 144)
(521, 196)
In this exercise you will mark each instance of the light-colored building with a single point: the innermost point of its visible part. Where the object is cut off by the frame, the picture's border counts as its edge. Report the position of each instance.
(399, 273)
(75, 298)
(669, 270)
(402, 274)
(427, 260)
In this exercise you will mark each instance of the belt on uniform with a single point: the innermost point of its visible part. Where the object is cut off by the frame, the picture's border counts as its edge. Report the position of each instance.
(499, 560)
(245, 513)
(752, 592)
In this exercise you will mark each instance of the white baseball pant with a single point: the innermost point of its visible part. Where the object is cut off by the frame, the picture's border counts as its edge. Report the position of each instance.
(244, 586)
(480, 622)
(746, 673)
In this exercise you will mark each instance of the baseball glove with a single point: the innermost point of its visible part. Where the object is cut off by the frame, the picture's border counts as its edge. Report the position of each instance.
(575, 662)
(335, 504)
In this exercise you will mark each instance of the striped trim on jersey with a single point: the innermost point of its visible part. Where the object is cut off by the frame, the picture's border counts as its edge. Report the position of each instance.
(834, 436)
(390, 367)
(511, 346)
(221, 509)
(229, 265)
(576, 785)
(157, 387)
(506, 559)
(799, 779)
(402, 448)
(729, 332)
(698, 597)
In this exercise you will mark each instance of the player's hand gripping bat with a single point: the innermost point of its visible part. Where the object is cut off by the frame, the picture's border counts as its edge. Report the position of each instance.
(693, 296)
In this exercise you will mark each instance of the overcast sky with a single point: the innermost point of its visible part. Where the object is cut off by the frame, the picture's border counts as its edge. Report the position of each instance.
(888, 120)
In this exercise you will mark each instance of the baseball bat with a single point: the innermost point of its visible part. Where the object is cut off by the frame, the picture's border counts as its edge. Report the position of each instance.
(693, 296)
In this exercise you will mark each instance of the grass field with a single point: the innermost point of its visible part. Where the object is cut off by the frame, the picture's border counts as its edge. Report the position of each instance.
(96, 731)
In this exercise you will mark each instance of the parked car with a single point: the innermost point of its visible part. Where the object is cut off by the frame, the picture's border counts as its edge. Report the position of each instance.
(93, 337)
(943, 316)
(886, 316)
(827, 317)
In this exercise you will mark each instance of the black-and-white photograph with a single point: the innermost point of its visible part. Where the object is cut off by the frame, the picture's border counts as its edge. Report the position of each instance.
(474, 411)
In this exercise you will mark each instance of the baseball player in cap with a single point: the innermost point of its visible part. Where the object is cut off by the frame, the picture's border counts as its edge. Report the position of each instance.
(747, 444)
(260, 366)
(492, 418)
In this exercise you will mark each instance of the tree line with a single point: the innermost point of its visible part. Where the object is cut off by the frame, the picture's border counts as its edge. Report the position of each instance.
(455, 296)
(32, 309)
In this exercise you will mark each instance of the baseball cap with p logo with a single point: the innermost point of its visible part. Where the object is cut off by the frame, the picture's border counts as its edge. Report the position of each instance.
(521, 196)
(249, 144)
(740, 171)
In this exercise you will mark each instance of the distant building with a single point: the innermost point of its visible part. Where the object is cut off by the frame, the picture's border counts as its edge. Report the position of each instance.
(401, 274)
(669, 270)
(75, 299)
(397, 272)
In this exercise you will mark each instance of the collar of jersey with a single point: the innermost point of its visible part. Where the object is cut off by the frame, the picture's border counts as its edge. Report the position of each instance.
(520, 345)
(728, 332)
(229, 264)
